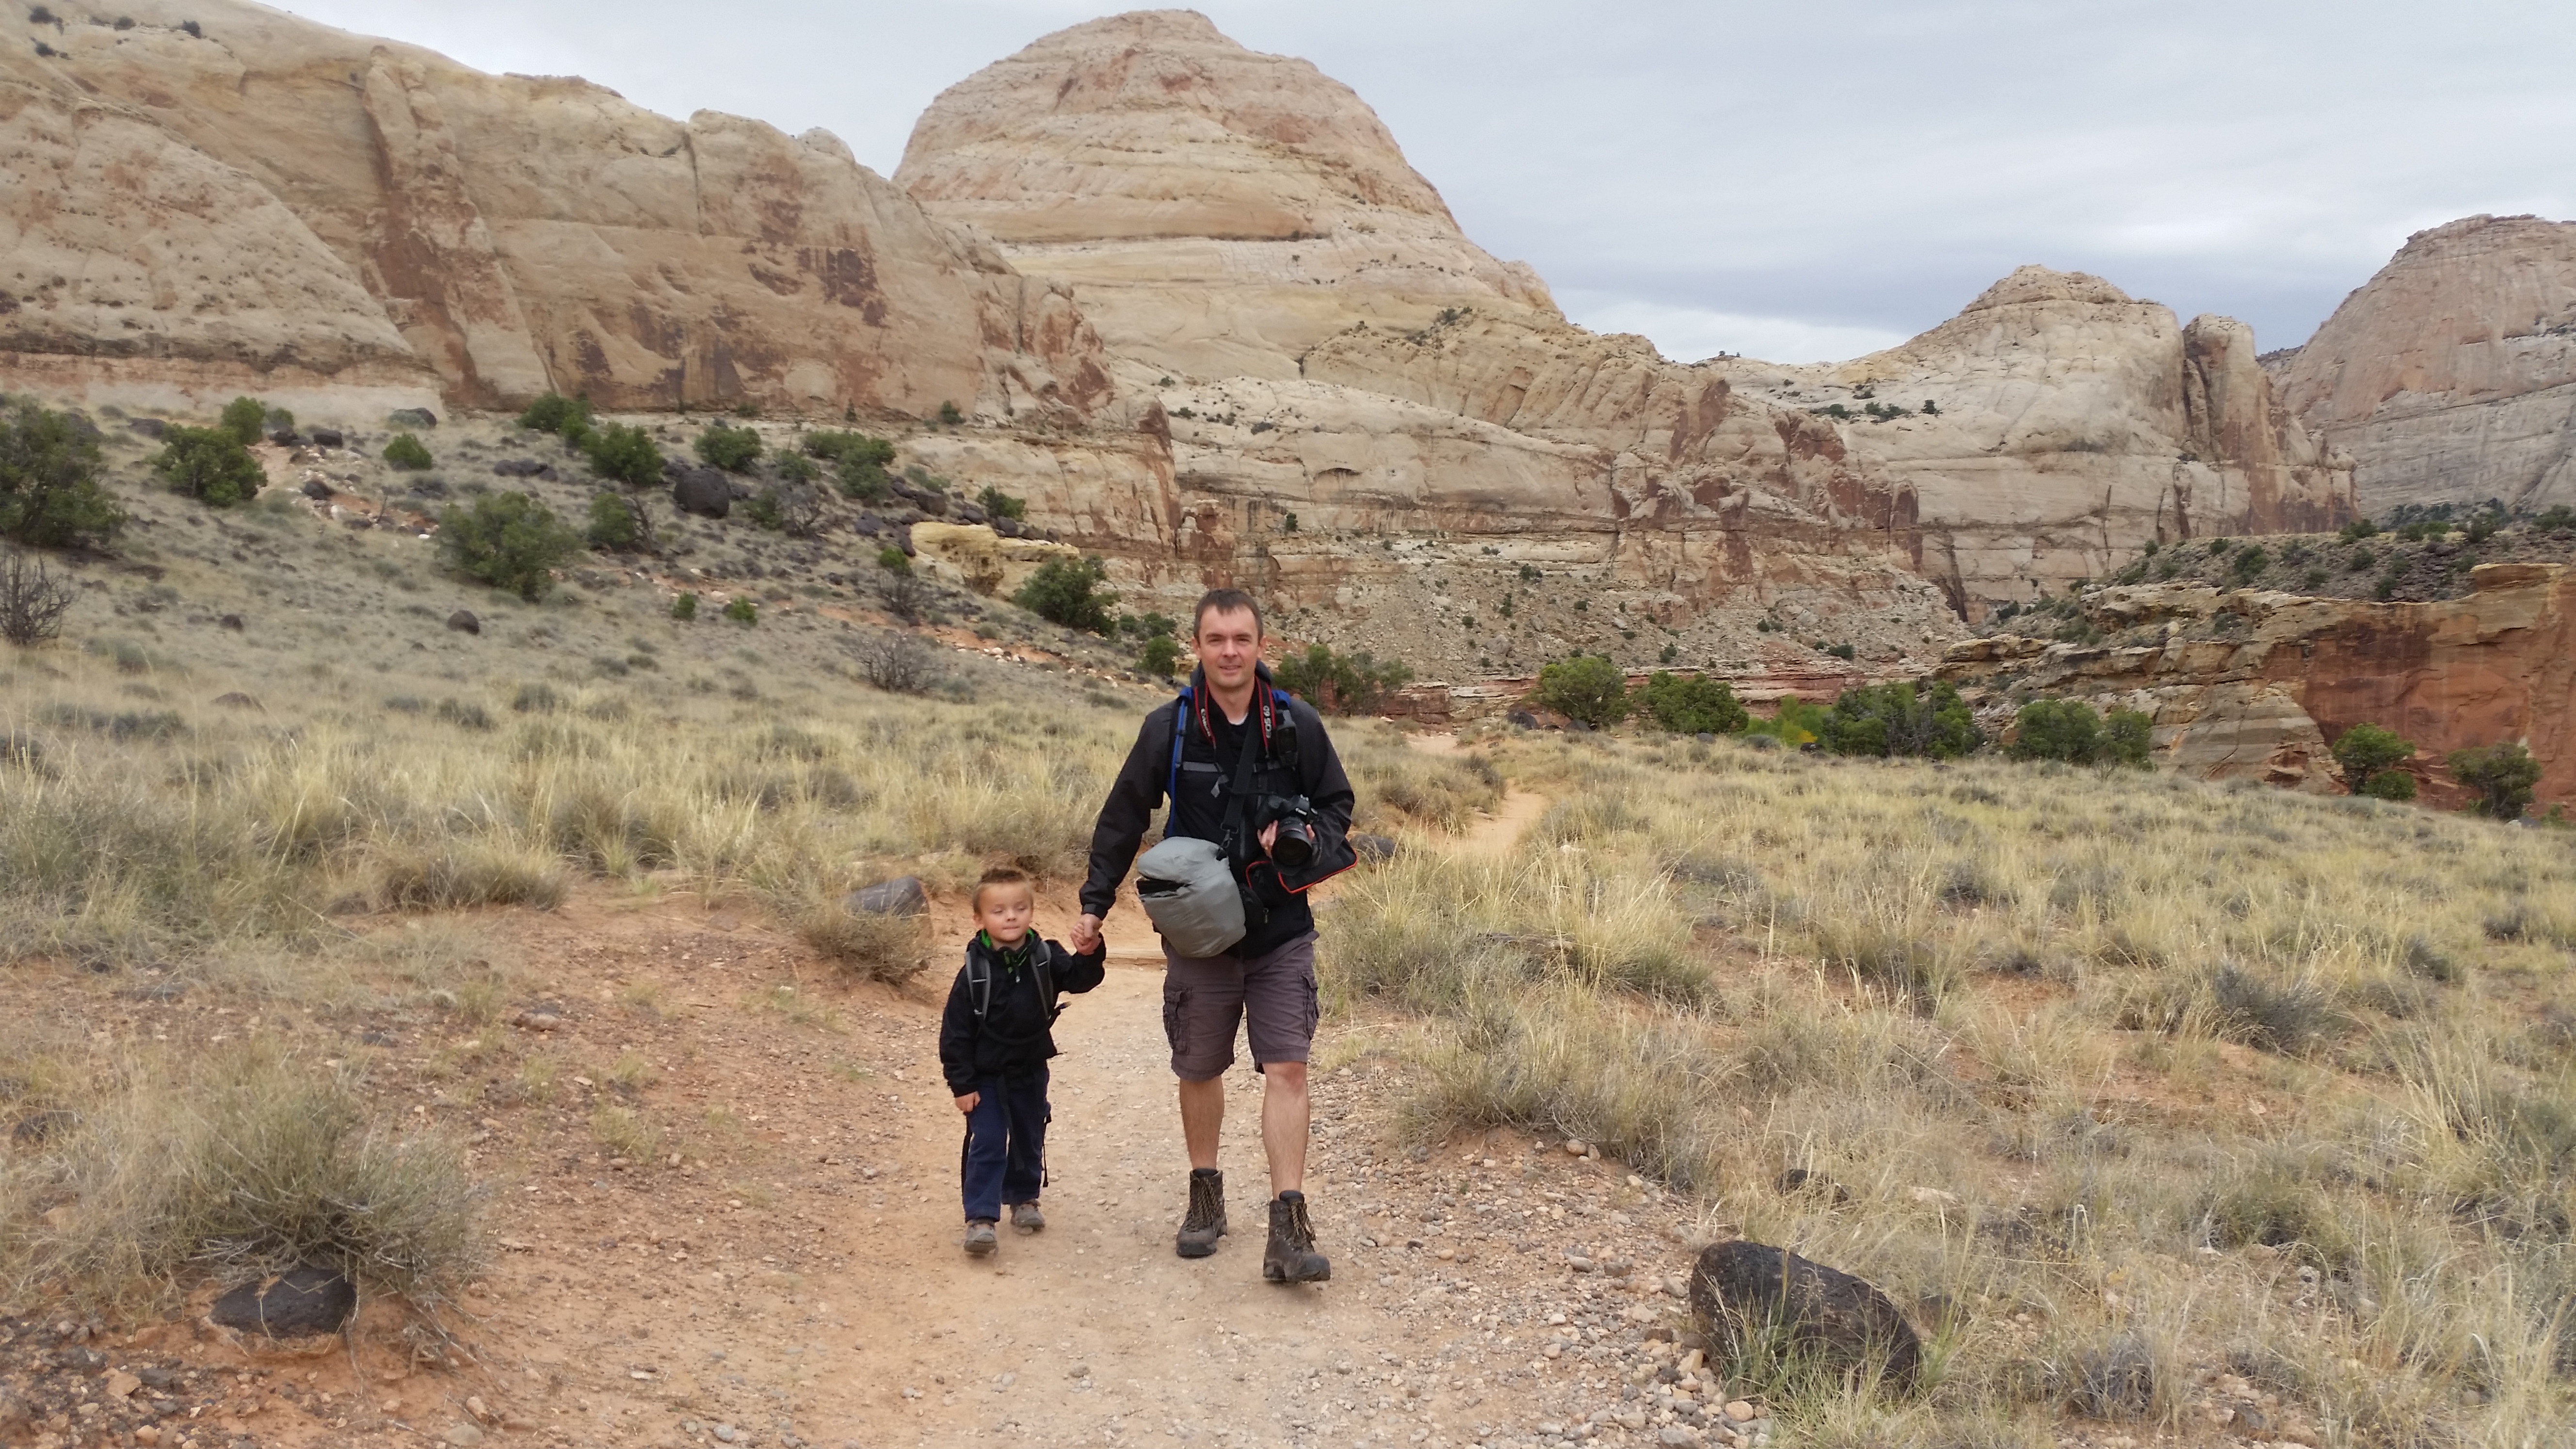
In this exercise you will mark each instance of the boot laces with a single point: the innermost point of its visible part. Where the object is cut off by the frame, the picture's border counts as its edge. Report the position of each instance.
(1300, 1228)
(1207, 1203)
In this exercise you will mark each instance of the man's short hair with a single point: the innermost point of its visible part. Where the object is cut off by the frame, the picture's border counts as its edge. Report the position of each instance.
(1001, 875)
(1225, 601)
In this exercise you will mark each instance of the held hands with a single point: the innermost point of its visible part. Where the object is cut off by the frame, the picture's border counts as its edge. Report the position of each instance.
(967, 1102)
(1086, 935)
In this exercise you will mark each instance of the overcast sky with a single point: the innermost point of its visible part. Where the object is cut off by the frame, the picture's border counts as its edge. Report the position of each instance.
(1793, 181)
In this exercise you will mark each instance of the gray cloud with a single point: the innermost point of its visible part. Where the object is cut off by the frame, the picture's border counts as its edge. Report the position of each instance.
(1813, 178)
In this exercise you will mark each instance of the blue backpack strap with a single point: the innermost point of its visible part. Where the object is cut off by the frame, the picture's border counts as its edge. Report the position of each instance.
(1180, 734)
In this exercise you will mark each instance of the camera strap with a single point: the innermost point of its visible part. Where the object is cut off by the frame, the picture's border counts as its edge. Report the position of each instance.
(1239, 840)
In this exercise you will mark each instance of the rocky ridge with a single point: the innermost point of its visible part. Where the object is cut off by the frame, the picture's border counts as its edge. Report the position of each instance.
(377, 216)
(2057, 425)
(2247, 684)
(2450, 376)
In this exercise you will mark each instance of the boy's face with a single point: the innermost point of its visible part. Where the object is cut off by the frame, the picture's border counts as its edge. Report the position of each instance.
(1003, 911)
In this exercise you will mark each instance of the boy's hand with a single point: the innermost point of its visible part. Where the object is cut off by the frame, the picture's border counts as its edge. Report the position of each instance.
(967, 1102)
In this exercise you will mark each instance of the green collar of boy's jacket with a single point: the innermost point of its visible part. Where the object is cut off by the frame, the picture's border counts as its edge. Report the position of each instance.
(1011, 956)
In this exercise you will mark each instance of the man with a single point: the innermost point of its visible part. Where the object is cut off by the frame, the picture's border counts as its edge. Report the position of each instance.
(1240, 745)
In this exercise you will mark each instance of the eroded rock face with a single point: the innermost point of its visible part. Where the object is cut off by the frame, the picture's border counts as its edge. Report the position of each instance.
(2074, 424)
(2450, 376)
(2249, 685)
(1217, 211)
(509, 234)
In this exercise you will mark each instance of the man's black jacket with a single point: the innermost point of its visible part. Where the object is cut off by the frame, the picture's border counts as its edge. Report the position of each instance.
(1210, 751)
(1014, 1036)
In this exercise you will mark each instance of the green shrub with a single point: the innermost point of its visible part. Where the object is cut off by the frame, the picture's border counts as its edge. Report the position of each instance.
(1587, 687)
(2503, 774)
(1842, 651)
(2357, 530)
(1899, 719)
(730, 448)
(796, 468)
(507, 540)
(1069, 592)
(2056, 729)
(685, 607)
(1335, 683)
(2555, 518)
(624, 455)
(619, 523)
(407, 453)
(49, 493)
(1148, 626)
(555, 413)
(2366, 750)
(1793, 723)
(2250, 564)
(743, 612)
(2388, 785)
(1002, 505)
(2128, 737)
(2484, 526)
(763, 511)
(894, 560)
(244, 420)
(1692, 705)
(209, 465)
(1161, 656)
(948, 414)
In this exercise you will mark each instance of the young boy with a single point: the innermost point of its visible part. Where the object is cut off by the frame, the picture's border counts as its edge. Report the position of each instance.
(994, 1044)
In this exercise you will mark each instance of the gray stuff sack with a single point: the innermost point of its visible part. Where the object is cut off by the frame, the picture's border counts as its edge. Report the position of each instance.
(1189, 894)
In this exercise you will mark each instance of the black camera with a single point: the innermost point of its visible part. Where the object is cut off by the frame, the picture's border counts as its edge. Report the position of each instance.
(1294, 846)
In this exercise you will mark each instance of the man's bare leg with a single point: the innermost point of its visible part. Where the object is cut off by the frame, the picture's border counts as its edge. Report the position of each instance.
(1284, 1124)
(1203, 1118)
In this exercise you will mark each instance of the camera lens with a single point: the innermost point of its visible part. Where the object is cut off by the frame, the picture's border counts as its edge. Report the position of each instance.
(1295, 845)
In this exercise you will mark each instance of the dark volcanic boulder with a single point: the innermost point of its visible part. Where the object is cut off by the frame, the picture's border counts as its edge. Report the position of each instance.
(329, 438)
(706, 492)
(412, 418)
(307, 1301)
(902, 896)
(1373, 848)
(464, 622)
(1742, 1291)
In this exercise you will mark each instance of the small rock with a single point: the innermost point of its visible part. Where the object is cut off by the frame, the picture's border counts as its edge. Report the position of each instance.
(462, 1435)
(474, 1406)
(238, 700)
(1840, 1319)
(150, 427)
(1679, 1436)
(725, 1433)
(286, 438)
(1522, 718)
(518, 467)
(1739, 1411)
(1578, 1149)
(148, 1435)
(329, 438)
(463, 621)
(412, 418)
(232, 622)
(902, 896)
(1372, 848)
(121, 1383)
(538, 1020)
(315, 488)
(307, 1300)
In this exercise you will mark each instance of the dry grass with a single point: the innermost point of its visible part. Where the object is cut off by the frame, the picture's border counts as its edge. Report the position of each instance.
(2015, 1025)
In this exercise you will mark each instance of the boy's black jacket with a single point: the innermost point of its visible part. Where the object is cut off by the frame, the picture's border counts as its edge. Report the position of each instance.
(1207, 775)
(1013, 1038)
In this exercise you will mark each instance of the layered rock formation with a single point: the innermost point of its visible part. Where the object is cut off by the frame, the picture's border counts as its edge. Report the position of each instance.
(1217, 210)
(2250, 685)
(2057, 424)
(2450, 376)
(290, 206)
(1393, 434)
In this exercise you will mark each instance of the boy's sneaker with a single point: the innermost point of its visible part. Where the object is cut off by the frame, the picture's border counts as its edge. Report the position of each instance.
(979, 1237)
(1204, 1223)
(1291, 1257)
(1026, 1218)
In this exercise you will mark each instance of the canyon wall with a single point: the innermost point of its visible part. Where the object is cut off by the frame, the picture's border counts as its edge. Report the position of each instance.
(2250, 685)
(377, 213)
(2057, 425)
(2450, 376)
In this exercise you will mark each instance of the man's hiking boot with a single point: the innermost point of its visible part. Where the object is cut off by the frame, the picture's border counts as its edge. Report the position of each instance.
(1291, 1257)
(979, 1237)
(1205, 1222)
(1026, 1218)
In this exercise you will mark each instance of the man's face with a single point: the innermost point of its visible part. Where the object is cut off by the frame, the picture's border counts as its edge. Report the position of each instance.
(1229, 645)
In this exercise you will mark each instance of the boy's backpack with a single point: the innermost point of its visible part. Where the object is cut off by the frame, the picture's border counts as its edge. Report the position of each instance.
(979, 980)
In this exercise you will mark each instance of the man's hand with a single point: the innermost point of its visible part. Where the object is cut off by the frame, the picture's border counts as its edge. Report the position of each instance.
(1086, 934)
(1269, 835)
(967, 1102)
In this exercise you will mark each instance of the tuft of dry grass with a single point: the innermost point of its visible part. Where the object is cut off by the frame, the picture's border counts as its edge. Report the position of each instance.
(246, 1161)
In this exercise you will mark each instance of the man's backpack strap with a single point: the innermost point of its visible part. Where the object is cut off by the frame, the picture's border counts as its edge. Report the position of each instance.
(1180, 734)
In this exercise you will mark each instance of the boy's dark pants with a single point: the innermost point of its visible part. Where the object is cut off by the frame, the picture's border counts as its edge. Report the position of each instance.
(1005, 1143)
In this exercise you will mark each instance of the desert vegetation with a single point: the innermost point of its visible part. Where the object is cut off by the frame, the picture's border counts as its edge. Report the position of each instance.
(2088, 1068)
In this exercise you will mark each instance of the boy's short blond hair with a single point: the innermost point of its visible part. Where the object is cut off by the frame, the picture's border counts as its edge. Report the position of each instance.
(1002, 875)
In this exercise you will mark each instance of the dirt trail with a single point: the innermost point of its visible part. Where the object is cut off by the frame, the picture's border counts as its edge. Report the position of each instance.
(1497, 833)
